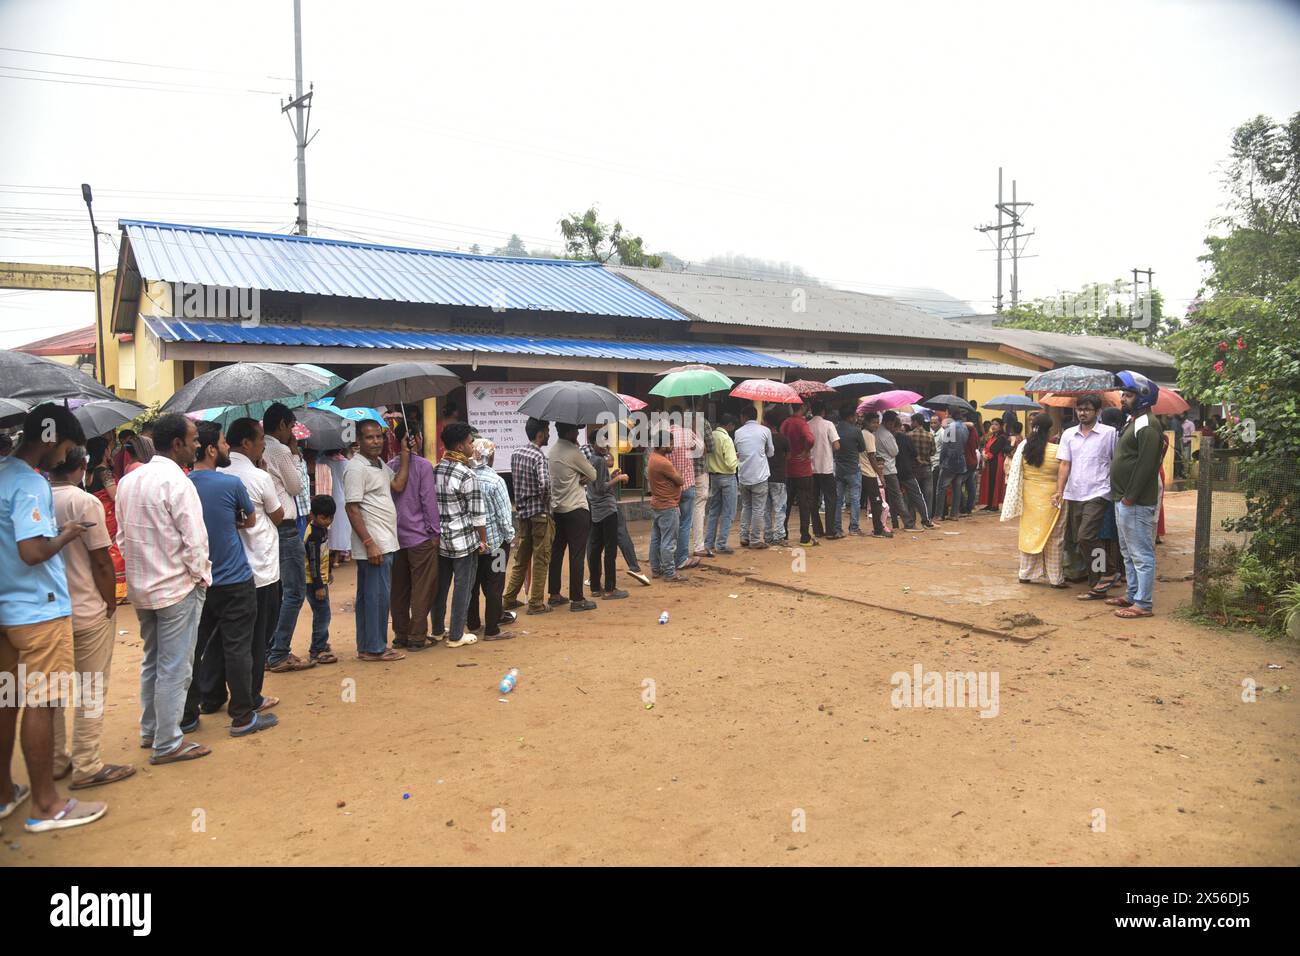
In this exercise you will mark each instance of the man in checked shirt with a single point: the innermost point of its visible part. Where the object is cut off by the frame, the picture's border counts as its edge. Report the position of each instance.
(464, 532)
(532, 480)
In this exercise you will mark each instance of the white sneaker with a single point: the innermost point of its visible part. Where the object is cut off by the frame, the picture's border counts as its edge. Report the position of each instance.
(640, 577)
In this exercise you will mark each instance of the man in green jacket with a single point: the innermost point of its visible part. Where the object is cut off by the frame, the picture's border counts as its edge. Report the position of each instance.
(1134, 485)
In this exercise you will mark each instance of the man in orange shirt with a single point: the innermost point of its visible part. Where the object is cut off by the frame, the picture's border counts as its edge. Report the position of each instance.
(665, 495)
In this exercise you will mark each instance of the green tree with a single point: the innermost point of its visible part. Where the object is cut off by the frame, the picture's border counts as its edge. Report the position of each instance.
(1240, 345)
(586, 237)
(1099, 308)
(515, 247)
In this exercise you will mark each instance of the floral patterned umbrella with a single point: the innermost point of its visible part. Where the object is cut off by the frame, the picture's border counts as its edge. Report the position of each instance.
(807, 387)
(766, 390)
(1071, 378)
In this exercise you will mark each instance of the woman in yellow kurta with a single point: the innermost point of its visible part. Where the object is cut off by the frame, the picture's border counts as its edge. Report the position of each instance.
(1031, 482)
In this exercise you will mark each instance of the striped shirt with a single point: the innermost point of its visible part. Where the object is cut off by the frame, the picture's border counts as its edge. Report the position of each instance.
(161, 534)
(496, 504)
(283, 469)
(461, 508)
(532, 479)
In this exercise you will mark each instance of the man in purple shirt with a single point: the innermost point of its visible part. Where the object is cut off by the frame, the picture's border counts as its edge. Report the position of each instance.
(1083, 482)
(415, 565)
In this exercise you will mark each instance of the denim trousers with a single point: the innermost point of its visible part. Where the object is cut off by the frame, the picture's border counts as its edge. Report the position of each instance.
(774, 518)
(293, 590)
(850, 493)
(663, 541)
(625, 545)
(946, 480)
(169, 635)
(722, 510)
(463, 571)
(824, 496)
(686, 511)
(753, 512)
(374, 600)
(1137, 542)
(970, 490)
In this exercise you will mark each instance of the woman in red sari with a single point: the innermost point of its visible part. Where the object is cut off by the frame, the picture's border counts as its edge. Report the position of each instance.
(993, 484)
(101, 484)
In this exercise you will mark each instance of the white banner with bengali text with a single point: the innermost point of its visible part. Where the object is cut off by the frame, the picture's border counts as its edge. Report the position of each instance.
(493, 408)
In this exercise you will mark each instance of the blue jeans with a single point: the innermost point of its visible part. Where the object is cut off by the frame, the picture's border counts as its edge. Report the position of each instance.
(374, 595)
(456, 576)
(971, 489)
(1137, 541)
(169, 635)
(293, 588)
(774, 518)
(320, 621)
(722, 510)
(753, 512)
(686, 511)
(663, 541)
(850, 489)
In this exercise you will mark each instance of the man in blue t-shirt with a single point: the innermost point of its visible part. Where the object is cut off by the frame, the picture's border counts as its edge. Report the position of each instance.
(223, 654)
(36, 657)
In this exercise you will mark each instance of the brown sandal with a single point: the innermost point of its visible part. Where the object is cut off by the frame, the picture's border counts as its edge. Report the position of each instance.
(325, 657)
(1119, 602)
(1133, 611)
(191, 751)
(109, 773)
(388, 655)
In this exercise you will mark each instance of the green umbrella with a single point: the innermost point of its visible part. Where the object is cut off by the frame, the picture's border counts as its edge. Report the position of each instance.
(691, 380)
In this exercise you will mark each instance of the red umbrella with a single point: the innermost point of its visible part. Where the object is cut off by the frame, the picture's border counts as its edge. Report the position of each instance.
(806, 386)
(766, 390)
(895, 398)
(633, 404)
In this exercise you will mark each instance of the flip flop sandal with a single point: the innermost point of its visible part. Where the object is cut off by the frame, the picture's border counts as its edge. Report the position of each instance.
(190, 751)
(267, 704)
(503, 636)
(1119, 602)
(259, 722)
(109, 773)
(21, 793)
(291, 664)
(1133, 611)
(74, 814)
(325, 658)
(388, 655)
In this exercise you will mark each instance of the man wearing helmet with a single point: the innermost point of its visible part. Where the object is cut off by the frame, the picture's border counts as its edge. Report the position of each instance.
(1134, 481)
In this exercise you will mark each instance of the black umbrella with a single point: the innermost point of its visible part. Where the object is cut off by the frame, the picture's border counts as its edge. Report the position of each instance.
(99, 417)
(397, 384)
(32, 380)
(948, 401)
(328, 430)
(9, 408)
(1072, 379)
(575, 403)
(1012, 403)
(242, 384)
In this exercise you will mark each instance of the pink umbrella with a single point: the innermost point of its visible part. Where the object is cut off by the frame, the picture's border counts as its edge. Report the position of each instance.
(766, 390)
(886, 400)
(633, 404)
(806, 386)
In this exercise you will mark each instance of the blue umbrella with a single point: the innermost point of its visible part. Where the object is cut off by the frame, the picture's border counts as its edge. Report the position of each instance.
(1013, 403)
(857, 378)
(358, 414)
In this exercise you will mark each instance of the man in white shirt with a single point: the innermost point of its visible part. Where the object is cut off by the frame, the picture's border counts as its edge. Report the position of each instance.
(164, 542)
(753, 448)
(262, 547)
(826, 442)
(282, 464)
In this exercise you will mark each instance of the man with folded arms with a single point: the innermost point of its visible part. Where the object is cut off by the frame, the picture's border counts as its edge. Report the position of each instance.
(36, 618)
(753, 447)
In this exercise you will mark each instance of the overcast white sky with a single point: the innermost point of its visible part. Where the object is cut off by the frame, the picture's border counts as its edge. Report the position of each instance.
(858, 140)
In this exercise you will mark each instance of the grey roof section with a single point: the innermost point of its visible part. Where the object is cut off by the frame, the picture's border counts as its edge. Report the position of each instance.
(1094, 351)
(934, 301)
(771, 305)
(859, 362)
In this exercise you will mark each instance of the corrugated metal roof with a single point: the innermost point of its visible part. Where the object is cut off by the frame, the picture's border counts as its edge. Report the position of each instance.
(232, 333)
(303, 264)
(856, 362)
(1093, 351)
(76, 342)
(766, 304)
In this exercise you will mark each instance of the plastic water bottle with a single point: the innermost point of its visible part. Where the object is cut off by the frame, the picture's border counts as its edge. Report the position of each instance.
(508, 682)
(663, 618)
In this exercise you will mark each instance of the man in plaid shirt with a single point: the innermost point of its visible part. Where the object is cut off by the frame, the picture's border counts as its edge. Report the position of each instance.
(531, 474)
(464, 532)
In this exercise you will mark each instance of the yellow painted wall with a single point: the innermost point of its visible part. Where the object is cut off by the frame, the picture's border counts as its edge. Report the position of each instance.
(983, 389)
(156, 380)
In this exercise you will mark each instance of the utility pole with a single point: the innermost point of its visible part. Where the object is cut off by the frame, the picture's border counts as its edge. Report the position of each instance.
(301, 105)
(101, 370)
(1012, 222)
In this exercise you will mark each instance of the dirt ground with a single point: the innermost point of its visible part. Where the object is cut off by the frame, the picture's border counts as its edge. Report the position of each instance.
(771, 739)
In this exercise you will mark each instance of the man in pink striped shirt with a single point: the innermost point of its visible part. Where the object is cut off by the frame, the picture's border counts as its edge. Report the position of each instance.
(164, 543)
